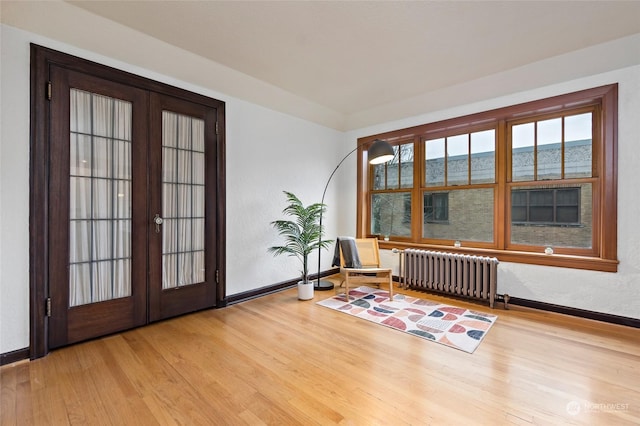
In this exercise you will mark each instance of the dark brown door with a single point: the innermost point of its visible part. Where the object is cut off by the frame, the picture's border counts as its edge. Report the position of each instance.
(132, 207)
(182, 261)
(97, 212)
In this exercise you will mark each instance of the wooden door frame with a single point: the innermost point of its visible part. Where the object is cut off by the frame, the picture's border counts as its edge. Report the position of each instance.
(41, 60)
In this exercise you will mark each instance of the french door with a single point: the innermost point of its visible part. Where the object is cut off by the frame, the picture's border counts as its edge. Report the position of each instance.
(132, 202)
(181, 199)
(97, 241)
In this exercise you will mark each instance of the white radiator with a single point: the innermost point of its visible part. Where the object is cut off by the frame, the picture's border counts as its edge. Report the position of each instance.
(456, 274)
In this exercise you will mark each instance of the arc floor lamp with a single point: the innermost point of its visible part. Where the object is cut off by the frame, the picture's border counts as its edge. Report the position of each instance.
(379, 152)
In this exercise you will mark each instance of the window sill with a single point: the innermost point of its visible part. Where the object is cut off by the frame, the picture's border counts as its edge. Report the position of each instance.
(558, 260)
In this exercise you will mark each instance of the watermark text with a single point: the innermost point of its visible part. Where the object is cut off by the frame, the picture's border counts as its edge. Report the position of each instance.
(576, 407)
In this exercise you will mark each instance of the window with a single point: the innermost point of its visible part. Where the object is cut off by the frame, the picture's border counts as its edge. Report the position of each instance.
(391, 197)
(463, 159)
(508, 182)
(555, 148)
(545, 207)
(459, 172)
(436, 207)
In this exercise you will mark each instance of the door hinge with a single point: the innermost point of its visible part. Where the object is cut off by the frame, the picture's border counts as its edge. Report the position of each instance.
(217, 276)
(48, 90)
(216, 127)
(48, 306)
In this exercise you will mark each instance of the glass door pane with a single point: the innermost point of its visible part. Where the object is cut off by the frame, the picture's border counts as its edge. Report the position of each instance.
(99, 198)
(183, 195)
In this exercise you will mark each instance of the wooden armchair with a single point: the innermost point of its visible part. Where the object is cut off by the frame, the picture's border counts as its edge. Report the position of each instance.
(370, 272)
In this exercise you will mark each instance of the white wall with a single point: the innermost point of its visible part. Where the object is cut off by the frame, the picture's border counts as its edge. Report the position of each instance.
(267, 152)
(612, 293)
(14, 200)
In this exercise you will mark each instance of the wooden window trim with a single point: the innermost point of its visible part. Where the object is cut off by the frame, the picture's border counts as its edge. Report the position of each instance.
(603, 257)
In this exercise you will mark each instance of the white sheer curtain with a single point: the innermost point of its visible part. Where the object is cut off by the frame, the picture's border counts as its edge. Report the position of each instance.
(182, 200)
(100, 198)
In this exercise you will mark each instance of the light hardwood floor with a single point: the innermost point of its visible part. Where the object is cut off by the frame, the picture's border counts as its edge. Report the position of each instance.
(276, 360)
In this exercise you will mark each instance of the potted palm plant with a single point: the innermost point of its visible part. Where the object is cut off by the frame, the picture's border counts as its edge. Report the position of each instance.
(303, 235)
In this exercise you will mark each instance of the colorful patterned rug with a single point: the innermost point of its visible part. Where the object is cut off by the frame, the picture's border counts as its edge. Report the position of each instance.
(458, 328)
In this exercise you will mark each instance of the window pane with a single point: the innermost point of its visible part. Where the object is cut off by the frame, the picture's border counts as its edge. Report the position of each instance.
(169, 196)
(469, 216)
(406, 164)
(436, 207)
(184, 200)
(541, 198)
(578, 146)
(391, 214)
(183, 131)
(458, 160)
(549, 149)
(102, 199)
(102, 158)
(122, 120)
(567, 197)
(568, 205)
(102, 123)
(80, 198)
(573, 216)
(80, 234)
(122, 160)
(519, 198)
(121, 240)
(522, 155)
(434, 162)
(549, 206)
(541, 214)
(80, 114)
(541, 206)
(79, 290)
(393, 170)
(169, 126)
(183, 172)
(198, 168)
(123, 199)
(80, 155)
(483, 157)
(519, 213)
(567, 214)
(184, 167)
(198, 197)
(99, 198)
(397, 173)
(101, 241)
(197, 141)
(102, 275)
(379, 176)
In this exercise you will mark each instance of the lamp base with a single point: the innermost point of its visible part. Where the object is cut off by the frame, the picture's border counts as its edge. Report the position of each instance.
(323, 285)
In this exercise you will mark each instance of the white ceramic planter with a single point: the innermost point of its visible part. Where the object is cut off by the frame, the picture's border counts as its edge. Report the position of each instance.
(305, 291)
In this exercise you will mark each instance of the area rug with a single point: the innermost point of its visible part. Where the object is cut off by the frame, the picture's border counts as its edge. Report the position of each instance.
(458, 328)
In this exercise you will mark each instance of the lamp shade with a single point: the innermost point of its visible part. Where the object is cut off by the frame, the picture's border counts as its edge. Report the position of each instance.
(380, 152)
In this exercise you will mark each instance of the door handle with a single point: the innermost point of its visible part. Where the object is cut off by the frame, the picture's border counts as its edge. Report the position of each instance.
(158, 221)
